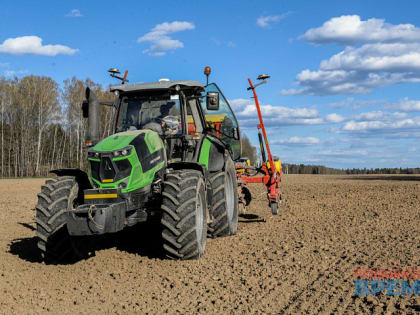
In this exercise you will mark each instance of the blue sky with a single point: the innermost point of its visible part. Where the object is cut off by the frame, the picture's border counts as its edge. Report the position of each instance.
(344, 78)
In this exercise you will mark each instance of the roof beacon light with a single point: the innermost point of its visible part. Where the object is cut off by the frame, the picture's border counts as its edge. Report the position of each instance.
(207, 71)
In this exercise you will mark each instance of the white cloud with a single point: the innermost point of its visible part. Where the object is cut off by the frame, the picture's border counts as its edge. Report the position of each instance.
(297, 141)
(160, 40)
(334, 118)
(74, 13)
(264, 21)
(381, 124)
(274, 116)
(14, 73)
(343, 153)
(389, 54)
(384, 126)
(342, 104)
(33, 45)
(379, 115)
(4, 64)
(406, 105)
(350, 30)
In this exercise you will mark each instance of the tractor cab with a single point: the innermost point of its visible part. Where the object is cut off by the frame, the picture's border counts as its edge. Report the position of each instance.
(177, 111)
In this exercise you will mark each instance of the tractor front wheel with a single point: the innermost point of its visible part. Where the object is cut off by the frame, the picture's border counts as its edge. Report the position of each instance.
(57, 196)
(184, 215)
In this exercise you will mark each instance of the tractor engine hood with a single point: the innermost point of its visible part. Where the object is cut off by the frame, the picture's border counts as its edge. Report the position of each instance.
(128, 160)
(121, 140)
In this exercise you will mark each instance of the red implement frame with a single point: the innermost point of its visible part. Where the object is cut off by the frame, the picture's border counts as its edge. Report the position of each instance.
(272, 177)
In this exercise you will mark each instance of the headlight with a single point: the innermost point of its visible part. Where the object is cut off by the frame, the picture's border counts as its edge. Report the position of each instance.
(124, 152)
(93, 154)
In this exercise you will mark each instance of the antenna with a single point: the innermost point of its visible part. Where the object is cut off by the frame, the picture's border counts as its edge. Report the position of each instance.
(113, 73)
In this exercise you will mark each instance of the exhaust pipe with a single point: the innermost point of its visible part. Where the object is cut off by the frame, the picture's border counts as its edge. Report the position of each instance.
(92, 135)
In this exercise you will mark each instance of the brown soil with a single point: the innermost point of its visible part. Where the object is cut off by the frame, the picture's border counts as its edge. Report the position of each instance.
(302, 260)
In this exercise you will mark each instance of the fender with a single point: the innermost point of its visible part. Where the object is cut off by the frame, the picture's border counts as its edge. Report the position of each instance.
(214, 154)
(190, 165)
(81, 177)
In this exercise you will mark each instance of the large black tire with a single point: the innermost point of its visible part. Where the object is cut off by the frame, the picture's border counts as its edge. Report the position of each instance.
(224, 202)
(184, 215)
(57, 196)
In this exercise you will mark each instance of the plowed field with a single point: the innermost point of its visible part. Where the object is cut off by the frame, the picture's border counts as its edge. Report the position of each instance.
(301, 261)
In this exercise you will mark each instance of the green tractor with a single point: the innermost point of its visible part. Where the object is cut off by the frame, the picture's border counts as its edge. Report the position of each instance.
(165, 161)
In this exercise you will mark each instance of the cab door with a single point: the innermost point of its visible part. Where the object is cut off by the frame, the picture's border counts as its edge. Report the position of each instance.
(222, 123)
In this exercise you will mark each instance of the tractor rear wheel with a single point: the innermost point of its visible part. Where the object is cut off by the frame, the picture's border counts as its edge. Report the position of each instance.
(184, 215)
(224, 202)
(57, 196)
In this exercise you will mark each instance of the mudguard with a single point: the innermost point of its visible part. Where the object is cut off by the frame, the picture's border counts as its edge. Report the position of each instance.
(81, 177)
(212, 154)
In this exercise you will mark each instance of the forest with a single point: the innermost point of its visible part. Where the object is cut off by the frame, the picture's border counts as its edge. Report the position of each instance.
(42, 127)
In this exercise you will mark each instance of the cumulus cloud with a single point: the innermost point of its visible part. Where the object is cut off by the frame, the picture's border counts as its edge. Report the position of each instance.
(334, 118)
(160, 40)
(379, 115)
(274, 116)
(378, 54)
(74, 13)
(379, 123)
(33, 45)
(405, 105)
(375, 125)
(351, 30)
(297, 141)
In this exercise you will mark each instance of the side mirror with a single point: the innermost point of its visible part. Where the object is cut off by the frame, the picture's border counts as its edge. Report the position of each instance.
(85, 109)
(212, 101)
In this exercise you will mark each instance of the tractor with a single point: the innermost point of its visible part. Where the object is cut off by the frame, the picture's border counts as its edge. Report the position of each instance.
(170, 157)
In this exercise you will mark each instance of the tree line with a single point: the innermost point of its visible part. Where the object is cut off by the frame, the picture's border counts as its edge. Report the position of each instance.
(310, 169)
(42, 127)
(320, 169)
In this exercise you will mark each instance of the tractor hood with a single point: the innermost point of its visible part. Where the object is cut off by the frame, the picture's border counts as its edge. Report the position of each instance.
(121, 140)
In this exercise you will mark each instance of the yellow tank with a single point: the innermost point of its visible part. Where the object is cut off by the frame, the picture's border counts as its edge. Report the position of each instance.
(277, 163)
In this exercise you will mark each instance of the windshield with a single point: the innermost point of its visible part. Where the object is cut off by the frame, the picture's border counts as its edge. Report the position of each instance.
(140, 112)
